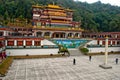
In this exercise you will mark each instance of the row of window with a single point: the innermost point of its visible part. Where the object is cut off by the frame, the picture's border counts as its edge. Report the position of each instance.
(20, 43)
(109, 43)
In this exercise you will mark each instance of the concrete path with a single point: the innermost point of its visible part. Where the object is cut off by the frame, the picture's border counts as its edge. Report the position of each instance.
(63, 69)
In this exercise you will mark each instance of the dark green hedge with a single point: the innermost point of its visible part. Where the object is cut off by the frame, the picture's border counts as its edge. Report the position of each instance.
(84, 50)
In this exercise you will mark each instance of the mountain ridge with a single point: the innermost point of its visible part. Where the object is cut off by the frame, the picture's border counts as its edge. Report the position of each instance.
(95, 17)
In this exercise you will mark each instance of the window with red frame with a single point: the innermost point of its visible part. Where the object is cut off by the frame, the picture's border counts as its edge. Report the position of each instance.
(10, 43)
(109, 42)
(103, 42)
(98, 42)
(19, 43)
(28, 43)
(37, 43)
(113, 42)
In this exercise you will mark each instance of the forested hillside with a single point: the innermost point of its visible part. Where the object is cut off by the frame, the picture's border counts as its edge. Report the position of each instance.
(97, 17)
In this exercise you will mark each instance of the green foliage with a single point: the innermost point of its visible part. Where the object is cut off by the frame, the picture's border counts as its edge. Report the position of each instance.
(84, 50)
(63, 49)
(96, 17)
(5, 65)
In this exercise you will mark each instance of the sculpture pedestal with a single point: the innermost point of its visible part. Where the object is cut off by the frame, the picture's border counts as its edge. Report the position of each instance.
(105, 66)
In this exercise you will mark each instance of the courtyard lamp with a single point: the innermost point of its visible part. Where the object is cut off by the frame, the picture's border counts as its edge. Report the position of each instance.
(105, 65)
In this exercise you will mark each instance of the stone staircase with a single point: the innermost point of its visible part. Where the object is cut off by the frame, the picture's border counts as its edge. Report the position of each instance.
(75, 52)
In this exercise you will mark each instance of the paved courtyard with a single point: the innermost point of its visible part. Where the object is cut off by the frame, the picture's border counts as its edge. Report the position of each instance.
(63, 69)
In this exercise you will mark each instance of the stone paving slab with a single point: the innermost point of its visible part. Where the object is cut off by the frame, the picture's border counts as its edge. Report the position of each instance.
(63, 69)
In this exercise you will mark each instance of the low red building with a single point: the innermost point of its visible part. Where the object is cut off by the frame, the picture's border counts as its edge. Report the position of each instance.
(23, 41)
(101, 35)
(111, 41)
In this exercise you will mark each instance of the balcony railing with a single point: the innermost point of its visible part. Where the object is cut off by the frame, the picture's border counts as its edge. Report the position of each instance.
(60, 28)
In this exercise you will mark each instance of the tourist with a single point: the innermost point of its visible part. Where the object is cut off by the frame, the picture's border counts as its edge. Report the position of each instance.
(90, 58)
(74, 61)
(116, 60)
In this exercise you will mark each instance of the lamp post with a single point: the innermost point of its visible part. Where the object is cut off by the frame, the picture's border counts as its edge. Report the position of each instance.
(105, 65)
(106, 50)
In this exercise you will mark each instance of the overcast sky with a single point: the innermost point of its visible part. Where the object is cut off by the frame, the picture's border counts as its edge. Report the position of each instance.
(112, 2)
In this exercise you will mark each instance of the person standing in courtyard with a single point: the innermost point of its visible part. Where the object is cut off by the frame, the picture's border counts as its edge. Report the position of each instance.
(116, 60)
(90, 58)
(74, 61)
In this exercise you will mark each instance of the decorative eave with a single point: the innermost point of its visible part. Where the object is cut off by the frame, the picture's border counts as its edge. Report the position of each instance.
(52, 7)
(59, 29)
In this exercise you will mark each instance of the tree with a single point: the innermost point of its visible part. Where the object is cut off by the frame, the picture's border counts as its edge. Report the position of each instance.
(63, 49)
(6, 15)
(94, 17)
